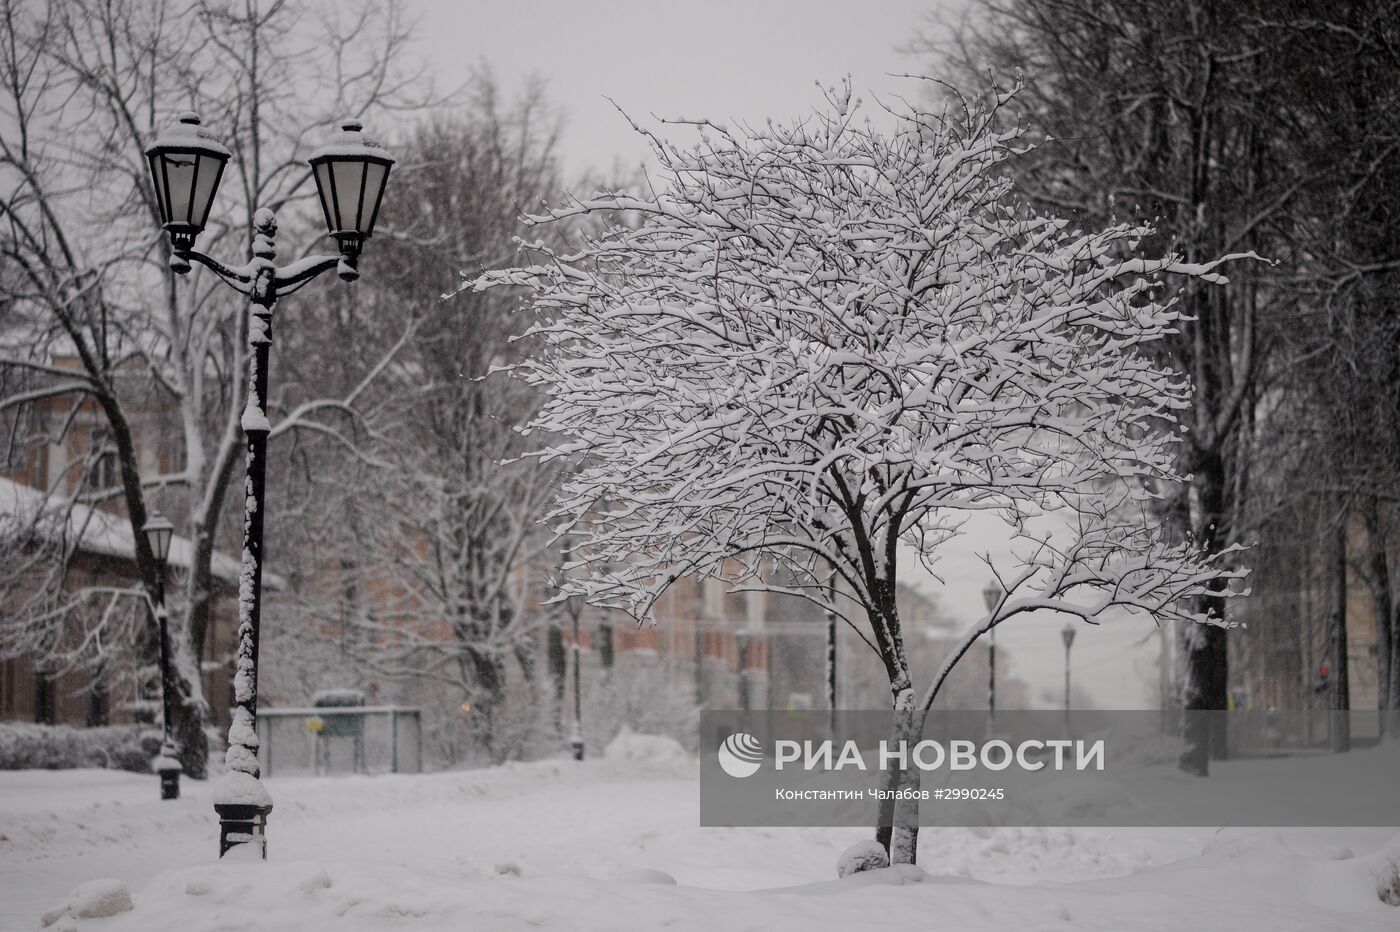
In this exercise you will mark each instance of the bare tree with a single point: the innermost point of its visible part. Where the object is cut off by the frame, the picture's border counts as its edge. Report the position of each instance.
(445, 571)
(1181, 110)
(86, 87)
(1262, 125)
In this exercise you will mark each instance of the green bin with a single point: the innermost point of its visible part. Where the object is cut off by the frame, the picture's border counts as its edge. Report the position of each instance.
(341, 726)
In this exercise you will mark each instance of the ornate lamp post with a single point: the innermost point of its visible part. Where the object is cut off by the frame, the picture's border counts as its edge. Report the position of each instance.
(1067, 634)
(991, 595)
(186, 165)
(159, 531)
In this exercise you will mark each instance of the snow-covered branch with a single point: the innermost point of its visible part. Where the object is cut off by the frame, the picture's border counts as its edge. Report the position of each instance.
(815, 342)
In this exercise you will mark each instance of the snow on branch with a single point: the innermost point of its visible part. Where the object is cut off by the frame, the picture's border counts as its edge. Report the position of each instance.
(820, 343)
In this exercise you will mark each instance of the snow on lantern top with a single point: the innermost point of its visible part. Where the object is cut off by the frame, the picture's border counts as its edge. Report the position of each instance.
(351, 170)
(186, 164)
(159, 531)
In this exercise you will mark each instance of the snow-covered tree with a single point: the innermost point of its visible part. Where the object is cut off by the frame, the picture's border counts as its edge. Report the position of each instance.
(95, 323)
(439, 565)
(822, 343)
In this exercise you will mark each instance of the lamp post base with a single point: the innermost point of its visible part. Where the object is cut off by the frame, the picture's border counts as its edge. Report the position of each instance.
(170, 784)
(168, 769)
(242, 824)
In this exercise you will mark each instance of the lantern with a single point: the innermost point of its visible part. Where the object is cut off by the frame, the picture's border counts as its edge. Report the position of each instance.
(159, 531)
(351, 171)
(991, 594)
(186, 164)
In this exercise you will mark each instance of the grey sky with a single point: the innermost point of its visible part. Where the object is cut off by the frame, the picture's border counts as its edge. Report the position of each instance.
(731, 61)
(718, 58)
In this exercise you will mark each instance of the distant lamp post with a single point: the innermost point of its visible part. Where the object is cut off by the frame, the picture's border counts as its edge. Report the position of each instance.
(186, 164)
(159, 531)
(831, 659)
(991, 595)
(741, 647)
(575, 608)
(1067, 635)
(576, 732)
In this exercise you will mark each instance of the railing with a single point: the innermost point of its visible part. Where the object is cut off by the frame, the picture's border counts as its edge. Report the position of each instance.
(400, 723)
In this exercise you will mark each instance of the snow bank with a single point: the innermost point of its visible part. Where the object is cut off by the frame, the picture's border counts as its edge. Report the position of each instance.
(419, 853)
(650, 749)
(1247, 883)
(96, 899)
(644, 875)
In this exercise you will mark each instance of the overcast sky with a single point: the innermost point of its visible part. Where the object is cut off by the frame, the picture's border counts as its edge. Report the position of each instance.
(732, 61)
(719, 59)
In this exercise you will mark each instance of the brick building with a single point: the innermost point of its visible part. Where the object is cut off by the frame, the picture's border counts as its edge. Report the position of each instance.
(69, 454)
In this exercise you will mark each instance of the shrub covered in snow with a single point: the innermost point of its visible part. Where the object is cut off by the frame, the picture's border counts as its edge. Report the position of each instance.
(641, 695)
(24, 746)
(654, 749)
(862, 856)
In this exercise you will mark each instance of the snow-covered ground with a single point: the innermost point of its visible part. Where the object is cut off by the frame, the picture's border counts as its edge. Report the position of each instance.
(560, 845)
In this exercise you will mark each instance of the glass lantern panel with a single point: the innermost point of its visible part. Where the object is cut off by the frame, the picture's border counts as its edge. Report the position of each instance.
(205, 179)
(323, 188)
(179, 179)
(158, 181)
(374, 188)
(349, 182)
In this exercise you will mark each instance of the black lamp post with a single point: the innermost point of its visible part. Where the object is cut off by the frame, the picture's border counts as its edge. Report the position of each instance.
(831, 669)
(576, 732)
(186, 165)
(159, 531)
(1067, 634)
(991, 595)
(574, 606)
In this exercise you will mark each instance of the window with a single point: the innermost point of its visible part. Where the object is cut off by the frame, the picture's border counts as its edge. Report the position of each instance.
(106, 473)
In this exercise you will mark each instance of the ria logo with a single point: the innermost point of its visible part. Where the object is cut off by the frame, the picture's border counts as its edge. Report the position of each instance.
(740, 755)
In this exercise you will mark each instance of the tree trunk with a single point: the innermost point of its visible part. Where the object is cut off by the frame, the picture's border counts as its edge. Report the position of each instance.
(97, 697)
(904, 839)
(1337, 622)
(1380, 598)
(1393, 704)
(190, 720)
(606, 647)
(557, 660)
(527, 657)
(1204, 647)
(893, 831)
(488, 678)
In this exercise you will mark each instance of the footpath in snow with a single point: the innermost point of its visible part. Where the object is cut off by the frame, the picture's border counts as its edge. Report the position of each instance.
(559, 845)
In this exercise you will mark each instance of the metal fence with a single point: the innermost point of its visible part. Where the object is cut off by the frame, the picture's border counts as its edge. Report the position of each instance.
(357, 739)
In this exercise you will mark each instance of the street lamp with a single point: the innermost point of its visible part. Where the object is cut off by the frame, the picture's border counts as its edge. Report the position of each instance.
(831, 669)
(186, 164)
(1067, 634)
(991, 595)
(574, 607)
(741, 647)
(159, 531)
(576, 732)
